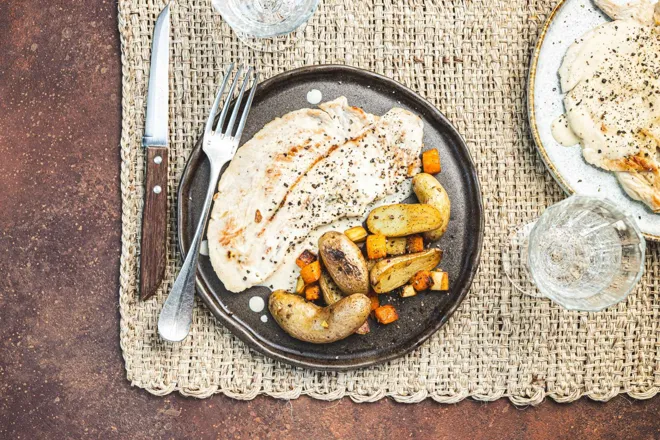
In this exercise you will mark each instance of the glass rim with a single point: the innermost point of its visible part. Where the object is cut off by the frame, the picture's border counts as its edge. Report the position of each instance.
(561, 300)
(266, 31)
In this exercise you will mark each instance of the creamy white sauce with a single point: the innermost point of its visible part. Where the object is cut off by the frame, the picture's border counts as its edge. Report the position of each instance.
(562, 132)
(314, 96)
(264, 318)
(204, 247)
(257, 304)
(286, 275)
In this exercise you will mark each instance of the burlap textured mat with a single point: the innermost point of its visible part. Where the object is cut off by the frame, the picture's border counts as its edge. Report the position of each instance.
(470, 58)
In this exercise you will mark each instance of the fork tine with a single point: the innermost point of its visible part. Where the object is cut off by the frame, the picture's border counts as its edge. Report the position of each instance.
(225, 107)
(248, 104)
(237, 106)
(216, 103)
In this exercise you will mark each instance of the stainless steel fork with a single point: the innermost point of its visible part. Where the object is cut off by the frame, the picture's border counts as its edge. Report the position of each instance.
(220, 145)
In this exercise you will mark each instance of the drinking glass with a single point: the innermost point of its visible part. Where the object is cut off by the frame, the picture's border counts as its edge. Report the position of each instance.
(584, 253)
(266, 25)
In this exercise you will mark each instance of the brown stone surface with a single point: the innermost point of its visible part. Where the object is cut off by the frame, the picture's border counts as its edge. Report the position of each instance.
(61, 371)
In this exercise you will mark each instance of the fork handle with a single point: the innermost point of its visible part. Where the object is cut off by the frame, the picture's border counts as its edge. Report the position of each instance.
(154, 223)
(176, 315)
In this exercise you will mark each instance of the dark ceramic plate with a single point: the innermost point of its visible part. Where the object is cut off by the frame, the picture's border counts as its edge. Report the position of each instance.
(419, 316)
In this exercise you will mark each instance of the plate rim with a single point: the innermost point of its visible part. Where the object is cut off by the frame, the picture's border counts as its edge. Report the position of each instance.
(244, 333)
(531, 112)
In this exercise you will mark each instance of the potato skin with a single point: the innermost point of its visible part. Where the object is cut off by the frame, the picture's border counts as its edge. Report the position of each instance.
(344, 262)
(403, 219)
(318, 325)
(330, 290)
(390, 273)
(428, 190)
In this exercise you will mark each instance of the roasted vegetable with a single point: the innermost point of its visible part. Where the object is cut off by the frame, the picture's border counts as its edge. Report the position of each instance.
(364, 329)
(428, 190)
(312, 292)
(440, 280)
(376, 247)
(330, 290)
(394, 272)
(311, 273)
(396, 246)
(422, 280)
(431, 161)
(414, 243)
(408, 291)
(307, 257)
(356, 234)
(375, 302)
(319, 325)
(344, 262)
(300, 286)
(371, 263)
(401, 219)
(386, 314)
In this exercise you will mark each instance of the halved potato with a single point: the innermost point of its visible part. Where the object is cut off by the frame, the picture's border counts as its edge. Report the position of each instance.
(428, 190)
(391, 273)
(319, 325)
(402, 219)
(330, 290)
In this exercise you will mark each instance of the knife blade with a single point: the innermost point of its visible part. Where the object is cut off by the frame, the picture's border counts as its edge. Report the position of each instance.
(154, 216)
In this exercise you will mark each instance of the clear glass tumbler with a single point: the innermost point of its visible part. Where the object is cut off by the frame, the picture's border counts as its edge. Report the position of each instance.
(584, 253)
(266, 25)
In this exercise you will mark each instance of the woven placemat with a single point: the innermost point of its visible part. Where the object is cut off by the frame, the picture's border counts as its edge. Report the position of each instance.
(469, 58)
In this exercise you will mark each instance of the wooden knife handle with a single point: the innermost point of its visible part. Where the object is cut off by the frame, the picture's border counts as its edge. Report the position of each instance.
(154, 223)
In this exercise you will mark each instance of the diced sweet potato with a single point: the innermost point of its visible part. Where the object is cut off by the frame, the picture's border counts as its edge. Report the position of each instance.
(311, 273)
(356, 234)
(386, 314)
(414, 244)
(376, 247)
(312, 293)
(408, 291)
(422, 280)
(307, 257)
(440, 280)
(431, 161)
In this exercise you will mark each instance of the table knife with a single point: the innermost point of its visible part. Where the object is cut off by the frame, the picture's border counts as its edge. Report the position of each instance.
(155, 215)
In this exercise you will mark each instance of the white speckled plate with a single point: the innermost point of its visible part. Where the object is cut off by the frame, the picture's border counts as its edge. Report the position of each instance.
(570, 20)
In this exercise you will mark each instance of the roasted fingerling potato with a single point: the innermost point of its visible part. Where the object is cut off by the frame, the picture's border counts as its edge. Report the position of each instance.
(400, 219)
(364, 329)
(429, 191)
(344, 262)
(329, 289)
(390, 273)
(308, 322)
